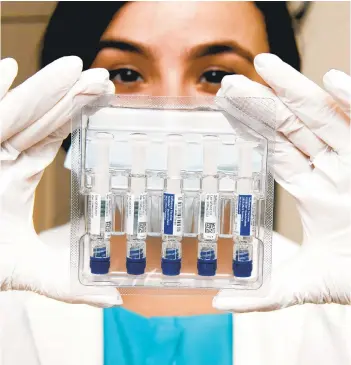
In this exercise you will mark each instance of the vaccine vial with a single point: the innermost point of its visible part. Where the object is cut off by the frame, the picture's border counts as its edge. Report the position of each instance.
(173, 205)
(100, 207)
(209, 209)
(245, 213)
(137, 208)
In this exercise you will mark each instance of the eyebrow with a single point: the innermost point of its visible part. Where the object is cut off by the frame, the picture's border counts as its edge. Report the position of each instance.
(202, 50)
(220, 47)
(126, 46)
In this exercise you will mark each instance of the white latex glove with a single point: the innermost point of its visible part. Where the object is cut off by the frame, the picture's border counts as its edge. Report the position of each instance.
(313, 163)
(35, 118)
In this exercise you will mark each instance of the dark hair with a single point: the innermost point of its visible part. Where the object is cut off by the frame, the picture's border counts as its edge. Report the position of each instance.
(76, 27)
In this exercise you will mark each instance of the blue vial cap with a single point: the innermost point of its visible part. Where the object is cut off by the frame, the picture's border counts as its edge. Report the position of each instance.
(206, 267)
(171, 267)
(242, 269)
(99, 265)
(136, 266)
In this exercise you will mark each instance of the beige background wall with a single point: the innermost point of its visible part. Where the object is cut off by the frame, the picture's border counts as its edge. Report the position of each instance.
(22, 27)
(324, 43)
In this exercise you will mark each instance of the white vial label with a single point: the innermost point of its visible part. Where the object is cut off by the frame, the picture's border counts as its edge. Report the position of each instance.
(244, 215)
(108, 215)
(130, 214)
(173, 214)
(94, 208)
(142, 217)
(210, 216)
(136, 222)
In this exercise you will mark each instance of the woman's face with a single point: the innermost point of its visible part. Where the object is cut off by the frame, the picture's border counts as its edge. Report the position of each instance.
(181, 48)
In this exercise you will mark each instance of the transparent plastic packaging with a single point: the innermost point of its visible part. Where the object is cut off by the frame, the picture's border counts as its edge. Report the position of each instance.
(167, 193)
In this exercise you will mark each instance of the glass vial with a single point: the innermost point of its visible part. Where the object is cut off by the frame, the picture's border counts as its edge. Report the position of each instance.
(137, 207)
(173, 206)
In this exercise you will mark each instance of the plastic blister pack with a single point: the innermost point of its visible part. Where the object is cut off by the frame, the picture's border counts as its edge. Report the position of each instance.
(167, 193)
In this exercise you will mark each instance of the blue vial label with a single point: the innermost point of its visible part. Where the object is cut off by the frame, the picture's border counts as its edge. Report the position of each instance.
(172, 254)
(244, 215)
(207, 254)
(100, 252)
(173, 214)
(168, 213)
(136, 253)
(242, 256)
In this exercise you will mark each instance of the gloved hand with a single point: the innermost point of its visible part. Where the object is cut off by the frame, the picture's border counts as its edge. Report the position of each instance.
(35, 118)
(313, 162)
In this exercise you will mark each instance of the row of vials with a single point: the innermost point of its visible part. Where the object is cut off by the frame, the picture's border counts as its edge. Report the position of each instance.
(136, 222)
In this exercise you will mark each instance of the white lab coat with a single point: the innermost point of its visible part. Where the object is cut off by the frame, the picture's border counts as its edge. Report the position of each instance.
(39, 331)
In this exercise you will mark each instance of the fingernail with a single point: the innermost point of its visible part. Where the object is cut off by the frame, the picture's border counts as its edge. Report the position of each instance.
(70, 62)
(226, 82)
(265, 59)
(259, 60)
(334, 71)
(110, 88)
(334, 74)
(220, 92)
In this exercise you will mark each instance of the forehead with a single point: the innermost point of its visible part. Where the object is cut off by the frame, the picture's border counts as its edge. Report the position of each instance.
(186, 24)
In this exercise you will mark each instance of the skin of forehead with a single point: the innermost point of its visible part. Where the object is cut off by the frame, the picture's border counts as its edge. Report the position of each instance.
(178, 26)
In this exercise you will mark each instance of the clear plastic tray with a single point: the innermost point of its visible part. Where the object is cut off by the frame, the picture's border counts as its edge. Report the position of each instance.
(171, 193)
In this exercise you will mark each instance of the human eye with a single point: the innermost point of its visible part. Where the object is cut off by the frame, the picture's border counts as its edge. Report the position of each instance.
(125, 76)
(214, 76)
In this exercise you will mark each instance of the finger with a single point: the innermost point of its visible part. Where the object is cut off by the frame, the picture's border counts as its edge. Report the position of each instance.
(40, 155)
(36, 96)
(52, 277)
(92, 82)
(311, 104)
(279, 295)
(290, 151)
(276, 295)
(101, 297)
(8, 73)
(302, 279)
(286, 122)
(245, 305)
(338, 84)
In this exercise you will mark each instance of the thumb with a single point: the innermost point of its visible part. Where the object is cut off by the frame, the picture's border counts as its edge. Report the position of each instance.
(227, 302)
(101, 297)
(295, 282)
(40, 268)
